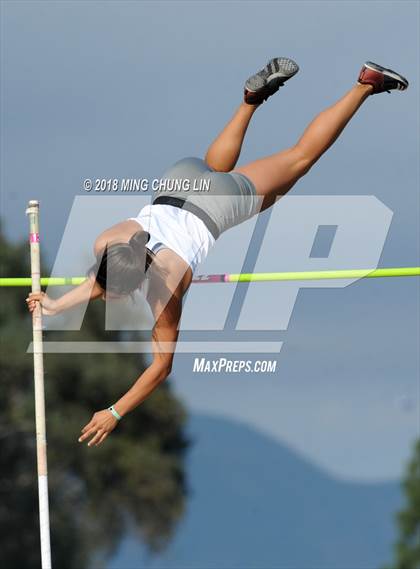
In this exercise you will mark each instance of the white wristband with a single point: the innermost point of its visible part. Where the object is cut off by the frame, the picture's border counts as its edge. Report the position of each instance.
(115, 413)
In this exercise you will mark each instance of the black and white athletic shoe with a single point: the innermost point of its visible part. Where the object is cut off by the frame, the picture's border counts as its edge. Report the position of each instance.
(381, 78)
(268, 81)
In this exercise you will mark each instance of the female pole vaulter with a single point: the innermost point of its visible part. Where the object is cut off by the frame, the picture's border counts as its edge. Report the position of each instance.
(169, 238)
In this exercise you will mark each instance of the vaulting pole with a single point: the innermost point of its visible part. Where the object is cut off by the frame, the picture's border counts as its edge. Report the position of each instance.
(41, 440)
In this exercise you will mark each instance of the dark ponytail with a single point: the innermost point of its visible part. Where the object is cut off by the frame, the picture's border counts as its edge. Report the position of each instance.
(121, 268)
(138, 244)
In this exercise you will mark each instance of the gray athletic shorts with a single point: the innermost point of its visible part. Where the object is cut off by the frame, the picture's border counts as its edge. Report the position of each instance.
(220, 199)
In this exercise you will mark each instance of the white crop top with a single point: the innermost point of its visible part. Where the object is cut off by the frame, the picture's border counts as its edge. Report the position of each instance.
(176, 229)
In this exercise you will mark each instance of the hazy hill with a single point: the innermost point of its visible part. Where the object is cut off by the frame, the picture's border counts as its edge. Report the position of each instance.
(255, 503)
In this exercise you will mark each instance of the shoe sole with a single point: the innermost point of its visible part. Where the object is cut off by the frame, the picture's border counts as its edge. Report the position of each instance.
(389, 72)
(277, 68)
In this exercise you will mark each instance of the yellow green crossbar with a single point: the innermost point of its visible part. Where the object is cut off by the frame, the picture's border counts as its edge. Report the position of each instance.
(244, 277)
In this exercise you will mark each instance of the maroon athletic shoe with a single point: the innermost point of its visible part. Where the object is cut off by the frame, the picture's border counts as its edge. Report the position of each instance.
(381, 78)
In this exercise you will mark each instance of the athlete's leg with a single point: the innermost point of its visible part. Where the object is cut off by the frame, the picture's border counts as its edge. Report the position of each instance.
(275, 175)
(224, 151)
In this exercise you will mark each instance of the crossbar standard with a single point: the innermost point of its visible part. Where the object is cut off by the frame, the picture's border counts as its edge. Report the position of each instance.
(243, 277)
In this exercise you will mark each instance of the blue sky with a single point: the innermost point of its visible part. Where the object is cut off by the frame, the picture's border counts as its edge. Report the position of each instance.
(124, 89)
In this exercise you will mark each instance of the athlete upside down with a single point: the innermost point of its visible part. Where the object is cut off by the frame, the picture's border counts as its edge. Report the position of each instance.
(167, 240)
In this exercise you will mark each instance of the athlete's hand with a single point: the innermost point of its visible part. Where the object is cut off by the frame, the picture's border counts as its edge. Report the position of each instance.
(48, 305)
(99, 427)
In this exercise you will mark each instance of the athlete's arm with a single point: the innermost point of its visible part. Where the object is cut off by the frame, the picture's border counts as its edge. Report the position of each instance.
(165, 334)
(88, 290)
(164, 337)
